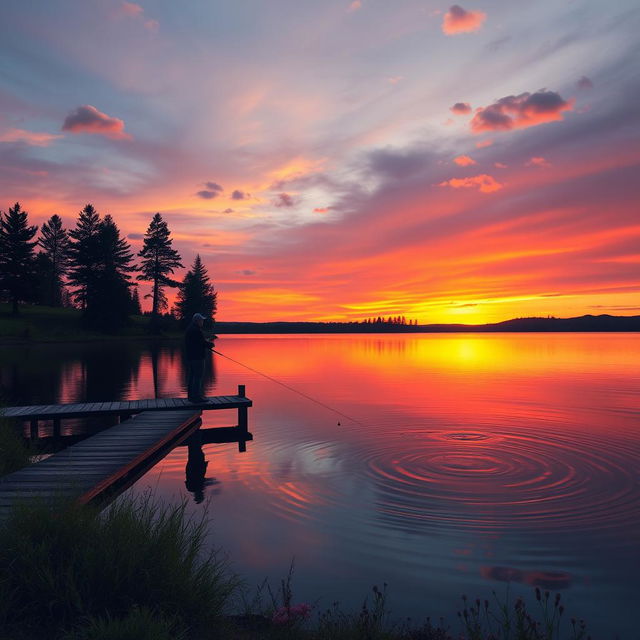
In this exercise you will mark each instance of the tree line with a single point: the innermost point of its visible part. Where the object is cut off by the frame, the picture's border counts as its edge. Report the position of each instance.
(91, 267)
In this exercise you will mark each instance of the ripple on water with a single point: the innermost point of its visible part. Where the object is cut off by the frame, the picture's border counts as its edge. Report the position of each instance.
(490, 481)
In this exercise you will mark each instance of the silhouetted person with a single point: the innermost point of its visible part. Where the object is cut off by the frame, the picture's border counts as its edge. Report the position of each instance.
(197, 347)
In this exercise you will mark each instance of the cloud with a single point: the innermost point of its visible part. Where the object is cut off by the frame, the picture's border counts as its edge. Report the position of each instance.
(459, 20)
(284, 200)
(135, 11)
(239, 195)
(391, 163)
(461, 108)
(355, 5)
(321, 210)
(522, 111)
(205, 194)
(135, 236)
(212, 191)
(247, 272)
(87, 119)
(538, 161)
(28, 137)
(499, 165)
(228, 210)
(131, 9)
(485, 183)
(394, 79)
(464, 161)
(584, 83)
(484, 143)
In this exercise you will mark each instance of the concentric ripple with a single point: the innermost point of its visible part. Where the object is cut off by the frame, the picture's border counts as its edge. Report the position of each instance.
(496, 480)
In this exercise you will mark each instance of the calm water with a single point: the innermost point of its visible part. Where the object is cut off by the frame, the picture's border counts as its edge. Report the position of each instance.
(476, 461)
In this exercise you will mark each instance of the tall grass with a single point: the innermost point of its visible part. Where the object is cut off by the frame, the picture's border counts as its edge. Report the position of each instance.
(59, 567)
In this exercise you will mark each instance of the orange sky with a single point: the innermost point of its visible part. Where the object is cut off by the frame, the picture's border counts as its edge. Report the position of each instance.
(342, 161)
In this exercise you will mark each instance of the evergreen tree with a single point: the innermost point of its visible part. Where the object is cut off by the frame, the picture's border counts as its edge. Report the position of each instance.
(17, 258)
(159, 260)
(108, 299)
(54, 241)
(196, 294)
(135, 309)
(83, 254)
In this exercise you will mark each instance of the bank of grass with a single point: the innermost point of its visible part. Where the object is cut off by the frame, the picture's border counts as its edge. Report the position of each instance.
(142, 571)
(73, 572)
(37, 323)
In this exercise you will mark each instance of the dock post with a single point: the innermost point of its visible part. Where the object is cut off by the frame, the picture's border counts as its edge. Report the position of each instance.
(243, 422)
(34, 429)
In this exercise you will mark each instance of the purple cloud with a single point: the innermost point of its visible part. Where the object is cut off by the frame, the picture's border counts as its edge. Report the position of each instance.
(87, 119)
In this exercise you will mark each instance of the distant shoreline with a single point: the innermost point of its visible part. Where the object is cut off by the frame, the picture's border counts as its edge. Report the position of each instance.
(581, 324)
(38, 325)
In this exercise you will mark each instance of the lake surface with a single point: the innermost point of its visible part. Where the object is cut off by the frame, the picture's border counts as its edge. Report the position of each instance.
(471, 462)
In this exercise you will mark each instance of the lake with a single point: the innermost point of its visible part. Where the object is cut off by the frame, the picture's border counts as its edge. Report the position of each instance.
(467, 462)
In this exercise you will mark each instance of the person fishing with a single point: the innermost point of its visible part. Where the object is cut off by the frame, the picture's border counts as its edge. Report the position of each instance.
(196, 348)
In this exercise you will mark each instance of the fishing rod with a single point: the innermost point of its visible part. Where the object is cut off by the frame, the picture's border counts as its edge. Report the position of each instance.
(286, 386)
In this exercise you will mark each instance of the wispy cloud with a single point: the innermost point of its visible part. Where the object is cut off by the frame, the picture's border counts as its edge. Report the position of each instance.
(31, 138)
(483, 182)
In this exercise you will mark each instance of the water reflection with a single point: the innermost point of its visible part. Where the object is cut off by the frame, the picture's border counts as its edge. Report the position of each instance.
(196, 470)
(478, 460)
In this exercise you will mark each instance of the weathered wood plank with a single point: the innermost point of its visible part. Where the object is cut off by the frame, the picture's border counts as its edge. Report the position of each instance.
(89, 469)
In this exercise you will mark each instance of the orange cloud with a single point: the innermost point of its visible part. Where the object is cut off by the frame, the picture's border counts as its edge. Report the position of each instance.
(484, 143)
(459, 20)
(355, 5)
(483, 182)
(464, 161)
(131, 9)
(87, 119)
(538, 161)
(499, 165)
(520, 112)
(28, 137)
(321, 210)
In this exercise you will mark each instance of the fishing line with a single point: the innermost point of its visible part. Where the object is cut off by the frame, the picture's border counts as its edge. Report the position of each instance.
(286, 386)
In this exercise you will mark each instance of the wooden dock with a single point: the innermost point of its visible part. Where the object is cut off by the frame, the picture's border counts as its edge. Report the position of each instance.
(96, 469)
(122, 409)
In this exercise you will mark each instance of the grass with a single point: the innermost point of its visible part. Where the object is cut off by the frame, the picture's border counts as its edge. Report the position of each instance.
(56, 324)
(74, 571)
(141, 571)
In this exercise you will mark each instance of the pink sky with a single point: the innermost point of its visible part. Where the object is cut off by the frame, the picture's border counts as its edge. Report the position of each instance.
(342, 160)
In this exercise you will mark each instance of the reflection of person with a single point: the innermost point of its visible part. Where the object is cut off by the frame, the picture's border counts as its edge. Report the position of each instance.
(196, 347)
(195, 472)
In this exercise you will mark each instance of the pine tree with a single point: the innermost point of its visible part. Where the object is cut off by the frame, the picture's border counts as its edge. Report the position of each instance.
(196, 294)
(83, 254)
(17, 258)
(135, 309)
(54, 241)
(108, 300)
(159, 260)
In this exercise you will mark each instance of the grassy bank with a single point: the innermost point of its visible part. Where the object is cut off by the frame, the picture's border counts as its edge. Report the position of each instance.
(56, 324)
(142, 571)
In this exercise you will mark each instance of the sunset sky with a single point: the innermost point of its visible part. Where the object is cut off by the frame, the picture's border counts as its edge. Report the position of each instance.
(336, 160)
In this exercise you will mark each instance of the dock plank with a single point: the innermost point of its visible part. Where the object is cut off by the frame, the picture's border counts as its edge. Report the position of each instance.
(79, 410)
(88, 470)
